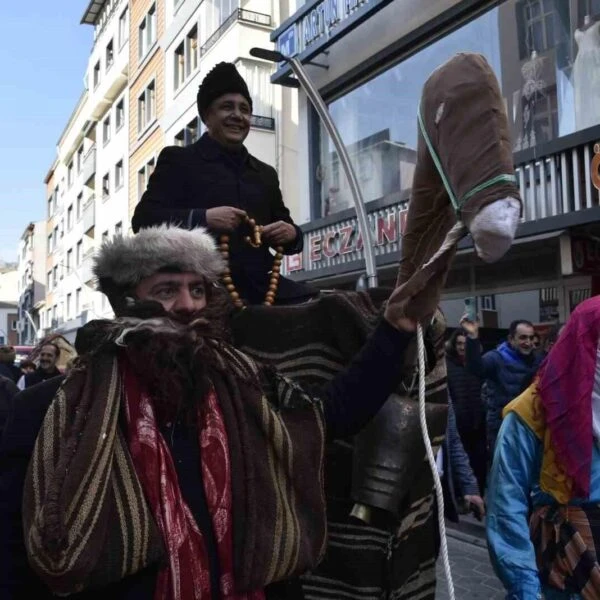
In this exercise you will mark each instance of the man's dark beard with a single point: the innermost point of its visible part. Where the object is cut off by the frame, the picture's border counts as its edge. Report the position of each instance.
(170, 354)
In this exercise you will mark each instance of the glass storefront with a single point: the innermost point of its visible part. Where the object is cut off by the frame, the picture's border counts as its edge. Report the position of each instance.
(546, 55)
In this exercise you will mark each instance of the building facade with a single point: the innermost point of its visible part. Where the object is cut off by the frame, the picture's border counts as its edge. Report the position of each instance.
(378, 54)
(9, 317)
(31, 275)
(146, 93)
(147, 60)
(86, 188)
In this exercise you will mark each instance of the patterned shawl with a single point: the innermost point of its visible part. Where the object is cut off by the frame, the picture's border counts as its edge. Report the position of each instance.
(558, 405)
(86, 520)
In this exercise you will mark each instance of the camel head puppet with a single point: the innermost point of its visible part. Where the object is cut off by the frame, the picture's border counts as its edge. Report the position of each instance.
(464, 182)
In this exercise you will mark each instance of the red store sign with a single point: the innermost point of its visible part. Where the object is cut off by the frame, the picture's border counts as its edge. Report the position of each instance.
(346, 239)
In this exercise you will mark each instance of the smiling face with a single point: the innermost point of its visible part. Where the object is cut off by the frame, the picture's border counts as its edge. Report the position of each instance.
(179, 293)
(228, 120)
(523, 339)
(48, 358)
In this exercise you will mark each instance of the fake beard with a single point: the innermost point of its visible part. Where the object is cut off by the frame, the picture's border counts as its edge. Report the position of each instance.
(169, 353)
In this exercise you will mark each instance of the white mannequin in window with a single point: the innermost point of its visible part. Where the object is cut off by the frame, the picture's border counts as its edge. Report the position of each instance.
(586, 74)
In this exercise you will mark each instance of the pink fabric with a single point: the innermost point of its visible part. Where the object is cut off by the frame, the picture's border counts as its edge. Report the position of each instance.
(186, 575)
(566, 381)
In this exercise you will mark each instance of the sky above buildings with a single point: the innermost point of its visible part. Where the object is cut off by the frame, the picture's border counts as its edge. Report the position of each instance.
(44, 52)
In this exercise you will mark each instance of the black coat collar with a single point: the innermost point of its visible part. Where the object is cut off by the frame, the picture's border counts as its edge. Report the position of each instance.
(211, 150)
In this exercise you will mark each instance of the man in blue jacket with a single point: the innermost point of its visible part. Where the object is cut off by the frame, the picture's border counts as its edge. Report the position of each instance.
(507, 370)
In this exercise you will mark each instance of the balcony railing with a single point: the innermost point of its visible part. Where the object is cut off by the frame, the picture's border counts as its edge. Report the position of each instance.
(89, 214)
(557, 184)
(239, 14)
(89, 166)
(87, 273)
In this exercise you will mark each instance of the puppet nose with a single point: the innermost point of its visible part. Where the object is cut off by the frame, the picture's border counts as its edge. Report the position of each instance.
(494, 227)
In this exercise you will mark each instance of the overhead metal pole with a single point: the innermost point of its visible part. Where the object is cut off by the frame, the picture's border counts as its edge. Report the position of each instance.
(313, 94)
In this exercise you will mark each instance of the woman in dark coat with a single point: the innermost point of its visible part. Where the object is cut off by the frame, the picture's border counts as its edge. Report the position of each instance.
(465, 390)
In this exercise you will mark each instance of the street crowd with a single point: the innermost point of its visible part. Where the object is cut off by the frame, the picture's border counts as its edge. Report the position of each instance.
(168, 463)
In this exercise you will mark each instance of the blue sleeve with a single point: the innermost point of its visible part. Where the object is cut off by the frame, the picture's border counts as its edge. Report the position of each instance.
(514, 471)
(459, 461)
(476, 363)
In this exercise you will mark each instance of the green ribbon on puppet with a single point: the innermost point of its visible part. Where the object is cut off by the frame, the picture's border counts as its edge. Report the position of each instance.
(503, 178)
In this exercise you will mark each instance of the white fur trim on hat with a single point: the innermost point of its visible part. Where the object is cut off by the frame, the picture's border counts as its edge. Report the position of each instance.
(128, 260)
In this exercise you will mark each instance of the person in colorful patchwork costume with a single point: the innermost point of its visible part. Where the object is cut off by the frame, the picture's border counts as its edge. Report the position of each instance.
(543, 521)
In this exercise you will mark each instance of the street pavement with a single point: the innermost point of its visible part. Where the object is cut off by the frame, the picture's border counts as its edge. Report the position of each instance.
(472, 572)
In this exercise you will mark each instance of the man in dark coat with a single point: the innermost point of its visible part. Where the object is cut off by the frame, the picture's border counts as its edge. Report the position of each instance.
(465, 390)
(166, 363)
(8, 368)
(48, 358)
(216, 183)
(7, 390)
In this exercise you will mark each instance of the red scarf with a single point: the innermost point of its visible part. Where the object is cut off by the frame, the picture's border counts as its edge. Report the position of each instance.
(187, 574)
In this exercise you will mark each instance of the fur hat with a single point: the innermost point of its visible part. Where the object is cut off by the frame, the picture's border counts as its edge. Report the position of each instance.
(220, 80)
(7, 354)
(124, 261)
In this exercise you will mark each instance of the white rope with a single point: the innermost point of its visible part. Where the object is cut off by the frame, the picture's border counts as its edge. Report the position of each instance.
(452, 238)
(431, 459)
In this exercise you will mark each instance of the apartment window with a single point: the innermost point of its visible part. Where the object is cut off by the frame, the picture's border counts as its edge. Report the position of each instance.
(179, 66)
(188, 135)
(79, 158)
(118, 175)
(77, 302)
(110, 55)
(69, 260)
(120, 114)
(123, 27)
(105, 237)
(106, 186)
(70, 174)
(191, 51)
(54, 311)
(216, 13)
(96, 75)
(50, 204)
(69, 297)
(119, 229)
(147, 32)
(69, 217)
(55, 276)
(78, 205)
(55, 238)
(78, 252)
(49, 280)
(146, 107)
(143, 177)
(258, 78)
(106, 130)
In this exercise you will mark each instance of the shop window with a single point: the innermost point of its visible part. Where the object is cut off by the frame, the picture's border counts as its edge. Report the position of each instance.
(590, 9)
(535, 49)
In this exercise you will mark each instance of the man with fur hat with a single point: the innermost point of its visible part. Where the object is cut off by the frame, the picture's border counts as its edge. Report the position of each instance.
(170, 464)
(216, 183)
